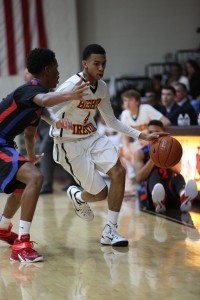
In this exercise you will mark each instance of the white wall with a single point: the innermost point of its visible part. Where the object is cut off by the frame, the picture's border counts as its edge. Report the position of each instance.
(137, 32)
(62, 32)
(133, 32)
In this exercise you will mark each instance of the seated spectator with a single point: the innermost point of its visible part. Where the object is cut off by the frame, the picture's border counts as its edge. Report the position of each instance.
(183, 101)
(136, 115)
(157, 82)
(162, 188)
(151, 98)
(193, 74)
(176, 75)
(171, 110)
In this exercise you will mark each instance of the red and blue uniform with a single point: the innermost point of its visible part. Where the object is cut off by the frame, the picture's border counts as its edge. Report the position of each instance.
(17, 112)
(172, 182)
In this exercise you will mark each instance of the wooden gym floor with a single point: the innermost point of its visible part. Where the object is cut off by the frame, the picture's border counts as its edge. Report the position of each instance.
(162, 261)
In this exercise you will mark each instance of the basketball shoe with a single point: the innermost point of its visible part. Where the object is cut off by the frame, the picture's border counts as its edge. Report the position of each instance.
(158, 197)
(22, 250)
(82, 209)
(111, 237)
(188, 195)
(7, 235)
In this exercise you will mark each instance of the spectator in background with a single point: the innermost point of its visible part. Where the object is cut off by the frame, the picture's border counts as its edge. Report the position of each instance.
(193, 74)
(183, 101)
(171, 110)
(136, 115)
(176, 75)
(151, 98)
(157, 84)
(160, 187)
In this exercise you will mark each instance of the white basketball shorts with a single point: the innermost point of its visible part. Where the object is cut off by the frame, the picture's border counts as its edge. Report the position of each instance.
(84, 158)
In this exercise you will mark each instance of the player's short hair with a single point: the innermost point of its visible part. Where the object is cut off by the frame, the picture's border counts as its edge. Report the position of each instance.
(156, 123)
(38, 59)
(92, 49)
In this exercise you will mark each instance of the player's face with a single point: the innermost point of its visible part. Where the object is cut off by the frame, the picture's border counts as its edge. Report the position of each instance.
(52, 75)
(154, 128)
(94, 67)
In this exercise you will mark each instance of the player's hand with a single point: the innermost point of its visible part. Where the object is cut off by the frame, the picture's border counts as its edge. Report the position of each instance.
(79, 90)
(65, 124)
(36, 158)
(152, 136)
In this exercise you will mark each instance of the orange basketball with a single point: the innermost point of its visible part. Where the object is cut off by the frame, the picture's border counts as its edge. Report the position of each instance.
(166, 152)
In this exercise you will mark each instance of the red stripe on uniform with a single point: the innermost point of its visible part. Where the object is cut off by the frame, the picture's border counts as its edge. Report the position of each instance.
(40, 23)
(26, 26)
(18, 191)
(8, 111)
(5, 157)
(8, 158)
(10, 36)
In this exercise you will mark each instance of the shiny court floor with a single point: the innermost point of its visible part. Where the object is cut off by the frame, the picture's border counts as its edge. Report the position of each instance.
(162, 261)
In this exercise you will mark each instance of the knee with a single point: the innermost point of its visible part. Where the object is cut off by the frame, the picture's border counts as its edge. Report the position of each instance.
(117, 172)
(37, 178)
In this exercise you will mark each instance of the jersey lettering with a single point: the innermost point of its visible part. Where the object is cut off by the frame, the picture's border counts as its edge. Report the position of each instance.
(86, 119)
(91, 104)
(83, 129)
(164, 174)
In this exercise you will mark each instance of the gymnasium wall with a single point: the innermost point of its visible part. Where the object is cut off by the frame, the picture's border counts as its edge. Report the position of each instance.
(134, 33)
(138, 32)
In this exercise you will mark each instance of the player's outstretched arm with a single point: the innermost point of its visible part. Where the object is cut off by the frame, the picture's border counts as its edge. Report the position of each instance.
(78, 92)
(49, 117)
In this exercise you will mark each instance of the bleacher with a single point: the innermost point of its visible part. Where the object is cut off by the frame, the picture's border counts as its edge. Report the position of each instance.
(119, 84)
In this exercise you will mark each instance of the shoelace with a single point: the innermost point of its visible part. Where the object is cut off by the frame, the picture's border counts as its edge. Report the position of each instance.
(85, 209)
(24, 246)
(29, 250)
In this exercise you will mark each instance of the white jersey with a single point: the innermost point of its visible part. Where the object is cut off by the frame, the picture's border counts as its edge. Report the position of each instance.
(82, 114)
(145, 115)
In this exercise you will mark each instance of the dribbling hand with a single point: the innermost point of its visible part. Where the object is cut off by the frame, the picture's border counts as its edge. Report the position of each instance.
(152, 136)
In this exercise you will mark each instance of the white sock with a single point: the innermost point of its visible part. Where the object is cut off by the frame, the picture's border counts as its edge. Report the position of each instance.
(4, 222)
(112, 217)
(24, 228)
(78, 195)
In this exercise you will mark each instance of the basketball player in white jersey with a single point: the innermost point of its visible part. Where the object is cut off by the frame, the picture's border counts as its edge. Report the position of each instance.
(83, 152)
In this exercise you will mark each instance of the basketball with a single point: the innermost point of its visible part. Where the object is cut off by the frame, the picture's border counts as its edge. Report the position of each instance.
(166, 152)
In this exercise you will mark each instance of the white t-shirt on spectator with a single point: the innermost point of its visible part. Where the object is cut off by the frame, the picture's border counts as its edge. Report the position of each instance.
(145, 115)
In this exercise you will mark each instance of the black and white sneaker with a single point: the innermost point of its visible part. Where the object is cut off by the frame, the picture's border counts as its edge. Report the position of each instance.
(111, 237)
(82, 209)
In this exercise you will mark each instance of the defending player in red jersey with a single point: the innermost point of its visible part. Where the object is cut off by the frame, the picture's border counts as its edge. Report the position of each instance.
(20, 112)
